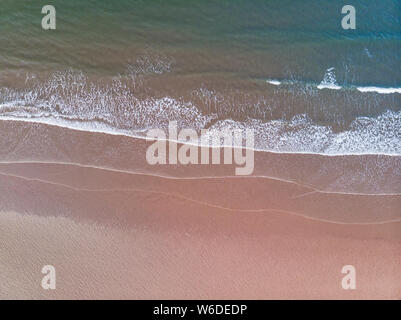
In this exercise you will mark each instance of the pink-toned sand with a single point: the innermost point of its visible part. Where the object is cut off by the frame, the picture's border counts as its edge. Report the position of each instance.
(115, 227)
(110, 242)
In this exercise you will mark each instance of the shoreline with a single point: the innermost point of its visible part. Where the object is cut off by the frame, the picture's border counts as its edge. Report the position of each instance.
(133, 136)
(33, 142)
(242, 195)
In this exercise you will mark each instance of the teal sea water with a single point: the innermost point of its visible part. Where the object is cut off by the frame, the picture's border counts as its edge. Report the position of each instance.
(285, 68)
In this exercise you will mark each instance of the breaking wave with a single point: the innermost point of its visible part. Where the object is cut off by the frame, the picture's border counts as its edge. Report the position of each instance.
(69, 99)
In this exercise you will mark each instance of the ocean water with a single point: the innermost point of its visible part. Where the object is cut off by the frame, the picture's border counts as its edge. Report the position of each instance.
(285, 68)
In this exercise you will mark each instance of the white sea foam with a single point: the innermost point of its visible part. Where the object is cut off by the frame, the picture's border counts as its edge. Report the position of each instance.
(329, 81)
(69, 100)
(381, 135)
(329, 86)
(274, 82)
(379, 90)
(149, 113)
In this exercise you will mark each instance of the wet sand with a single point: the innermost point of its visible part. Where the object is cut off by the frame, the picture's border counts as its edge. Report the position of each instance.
(264, 257)
(107, 242)
(38, 182)
(37, 142)
(128, 231)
